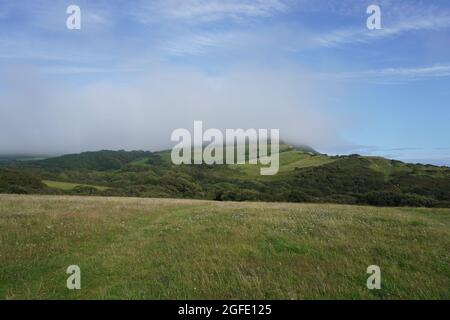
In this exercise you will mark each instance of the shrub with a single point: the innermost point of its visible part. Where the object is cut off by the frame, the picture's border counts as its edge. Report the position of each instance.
(395, 199)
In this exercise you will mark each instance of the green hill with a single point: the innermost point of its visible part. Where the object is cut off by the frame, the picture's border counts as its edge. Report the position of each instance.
(99, 160)
(304, 176)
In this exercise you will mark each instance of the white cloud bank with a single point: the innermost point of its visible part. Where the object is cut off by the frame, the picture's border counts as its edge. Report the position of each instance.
(39, 116)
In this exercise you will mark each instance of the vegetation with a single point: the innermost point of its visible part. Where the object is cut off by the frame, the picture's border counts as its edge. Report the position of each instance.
(304, 176)
(100, 160)
(130, 248)
(15, 181)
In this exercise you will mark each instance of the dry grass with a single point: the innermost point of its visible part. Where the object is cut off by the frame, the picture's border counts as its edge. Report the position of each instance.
(132, 248)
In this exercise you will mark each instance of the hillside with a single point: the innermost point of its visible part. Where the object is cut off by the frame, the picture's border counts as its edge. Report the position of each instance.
(304, 176)
(99, 161)
(131, 248)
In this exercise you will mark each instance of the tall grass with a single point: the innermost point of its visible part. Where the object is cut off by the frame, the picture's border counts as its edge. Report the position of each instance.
(129, 248)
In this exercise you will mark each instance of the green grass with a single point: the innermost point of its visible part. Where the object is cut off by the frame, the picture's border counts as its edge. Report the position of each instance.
(69, 186)
(185, 249)
(140, 162)
(390, 168)
(289, 160)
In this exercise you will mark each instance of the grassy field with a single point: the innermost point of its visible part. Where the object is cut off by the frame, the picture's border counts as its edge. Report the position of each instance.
(184, 249)
(289, 161)
(69, 185)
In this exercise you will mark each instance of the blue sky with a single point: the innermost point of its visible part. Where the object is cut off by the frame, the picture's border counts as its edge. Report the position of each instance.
(139, 69)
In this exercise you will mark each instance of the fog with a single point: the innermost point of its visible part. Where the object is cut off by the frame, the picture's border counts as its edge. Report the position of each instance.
(38, 115)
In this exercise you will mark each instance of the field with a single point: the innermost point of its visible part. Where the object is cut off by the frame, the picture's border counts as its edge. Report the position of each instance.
(69, 186)
(289, 161)
(133, 248)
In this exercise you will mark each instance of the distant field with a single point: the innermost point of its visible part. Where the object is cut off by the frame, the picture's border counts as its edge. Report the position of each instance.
(289, 161)
(69, 185)
(184, 249)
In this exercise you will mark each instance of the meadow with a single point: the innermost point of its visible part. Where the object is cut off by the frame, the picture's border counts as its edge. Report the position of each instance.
(138, 248)
(67, 186)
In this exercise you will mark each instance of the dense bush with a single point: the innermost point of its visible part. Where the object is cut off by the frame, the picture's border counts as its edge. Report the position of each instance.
(85, 190)
(395, 199)
(21, 182)
(298, 196)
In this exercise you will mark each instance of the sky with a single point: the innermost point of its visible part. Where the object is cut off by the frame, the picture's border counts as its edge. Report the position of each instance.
(137, 70)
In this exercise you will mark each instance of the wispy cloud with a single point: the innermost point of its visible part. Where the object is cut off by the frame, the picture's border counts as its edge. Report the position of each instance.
(201, 43)
(84, 70)
(296, 36)
(434, 71)
(391, 75)
(50, 16)
(363, 35)
(201, 11)
(195, 44)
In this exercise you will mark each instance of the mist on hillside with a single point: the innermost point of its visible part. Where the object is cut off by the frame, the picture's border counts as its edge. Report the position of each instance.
(39, 116)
